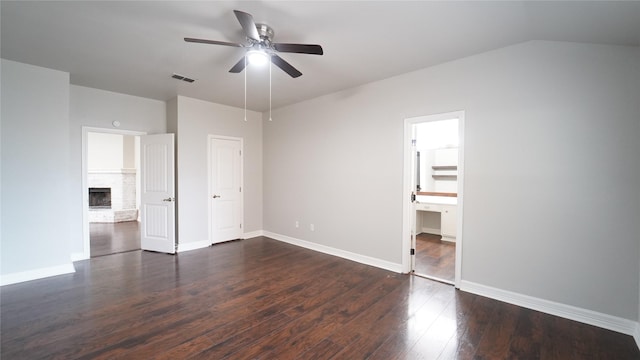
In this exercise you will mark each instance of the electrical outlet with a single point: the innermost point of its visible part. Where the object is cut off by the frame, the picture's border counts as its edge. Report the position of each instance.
(312, 227)
(297, 224)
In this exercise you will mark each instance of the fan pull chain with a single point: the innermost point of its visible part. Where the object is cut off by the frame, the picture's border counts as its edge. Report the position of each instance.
(270, 88)
(245, 88)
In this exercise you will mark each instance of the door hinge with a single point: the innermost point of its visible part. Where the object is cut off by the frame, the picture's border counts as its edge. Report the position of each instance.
(413, 197)
(413, 251)
(240, 188)
(240, 152)
(240, 226)
(413, 142)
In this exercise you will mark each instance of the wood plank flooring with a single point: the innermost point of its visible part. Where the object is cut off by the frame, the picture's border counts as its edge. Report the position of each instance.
(112, 238)
(435, 258)
(263, 299)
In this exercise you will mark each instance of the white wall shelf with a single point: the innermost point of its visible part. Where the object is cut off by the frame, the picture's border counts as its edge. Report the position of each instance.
(444, 167)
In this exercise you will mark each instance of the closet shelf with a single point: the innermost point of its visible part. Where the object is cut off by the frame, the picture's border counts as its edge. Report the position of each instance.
(445, 177)
(444, 167)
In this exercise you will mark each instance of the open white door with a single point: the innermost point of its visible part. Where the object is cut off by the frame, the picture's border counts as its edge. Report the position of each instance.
(157, 208)
(225, 178)
(414, 180)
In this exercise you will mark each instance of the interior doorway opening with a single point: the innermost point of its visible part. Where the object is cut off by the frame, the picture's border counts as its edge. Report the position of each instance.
(433, 188)
(436, 189)
(111, 191)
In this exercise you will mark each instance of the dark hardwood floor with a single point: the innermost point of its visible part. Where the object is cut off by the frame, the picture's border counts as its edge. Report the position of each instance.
(111, 238)
(263, 299)
(435, 258)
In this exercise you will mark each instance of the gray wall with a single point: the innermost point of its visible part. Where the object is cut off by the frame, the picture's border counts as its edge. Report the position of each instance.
(99, 108)
(551, 200)
(35, 168)
(195, 120)
(551, 172)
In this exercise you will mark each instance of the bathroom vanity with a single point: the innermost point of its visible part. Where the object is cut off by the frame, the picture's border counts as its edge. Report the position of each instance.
(437, 215)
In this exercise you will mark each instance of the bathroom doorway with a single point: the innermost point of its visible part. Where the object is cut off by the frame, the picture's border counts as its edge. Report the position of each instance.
(435, 187)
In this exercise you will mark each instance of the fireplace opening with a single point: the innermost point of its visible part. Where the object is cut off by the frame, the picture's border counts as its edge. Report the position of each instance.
(99, 198)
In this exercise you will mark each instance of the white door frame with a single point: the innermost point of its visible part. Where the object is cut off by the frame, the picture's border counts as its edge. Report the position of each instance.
(86, 254)
(407, 205)
(210, 139)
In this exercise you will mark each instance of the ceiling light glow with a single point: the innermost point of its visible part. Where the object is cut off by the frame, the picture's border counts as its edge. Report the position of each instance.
(257, 57)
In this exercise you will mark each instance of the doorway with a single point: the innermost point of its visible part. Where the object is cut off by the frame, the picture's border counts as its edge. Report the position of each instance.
(433, 205)
(111, 196)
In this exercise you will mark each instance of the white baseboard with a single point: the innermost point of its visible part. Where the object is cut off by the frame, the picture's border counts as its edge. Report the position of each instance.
(337, 252)
(253, 234)
(636, 334)
(182, 247)
(194, 245)
(78, 256)
(14, 278)
(429, 230)
(590, 317)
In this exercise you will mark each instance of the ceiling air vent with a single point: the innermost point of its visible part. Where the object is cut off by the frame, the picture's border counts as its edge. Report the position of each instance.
(183, 78)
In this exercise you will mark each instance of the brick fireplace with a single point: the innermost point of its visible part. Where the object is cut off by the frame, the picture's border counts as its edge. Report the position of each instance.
(112, 195)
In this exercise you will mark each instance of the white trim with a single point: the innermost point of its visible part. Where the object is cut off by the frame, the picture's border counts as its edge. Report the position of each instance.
(23, 276)
(590, 317)
(406, 189)
(112, 171)
(193, 245)
(78, 256)
(636, 334)
(432, 231)
(407, 206)
(460, 202)
(253, 234)
(210, 139)
(86, 245)
(337, 252)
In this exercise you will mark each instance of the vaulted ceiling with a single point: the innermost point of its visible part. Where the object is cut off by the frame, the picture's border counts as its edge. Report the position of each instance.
(134, 47)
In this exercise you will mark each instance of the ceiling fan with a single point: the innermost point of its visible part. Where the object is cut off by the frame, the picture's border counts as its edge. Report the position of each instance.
(261, 46)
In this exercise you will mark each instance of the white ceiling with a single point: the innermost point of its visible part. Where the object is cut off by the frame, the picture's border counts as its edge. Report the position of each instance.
(134, 47)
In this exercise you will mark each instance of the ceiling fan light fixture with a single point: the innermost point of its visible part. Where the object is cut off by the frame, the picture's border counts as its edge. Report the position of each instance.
(261, 48)
(257, 57)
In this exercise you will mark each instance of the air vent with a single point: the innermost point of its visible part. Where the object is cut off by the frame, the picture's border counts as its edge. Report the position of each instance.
(183, 78)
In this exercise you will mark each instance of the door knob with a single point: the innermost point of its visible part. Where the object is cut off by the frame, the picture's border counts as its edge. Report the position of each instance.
(216, 196)
(169, 199)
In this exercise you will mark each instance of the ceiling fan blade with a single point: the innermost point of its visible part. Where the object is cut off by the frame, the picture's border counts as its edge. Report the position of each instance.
(299, 48)
(213, 42)
(288, 68)
(239, 66)
(248, 25)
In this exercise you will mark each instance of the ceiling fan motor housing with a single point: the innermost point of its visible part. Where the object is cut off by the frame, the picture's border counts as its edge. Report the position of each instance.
(266, 32)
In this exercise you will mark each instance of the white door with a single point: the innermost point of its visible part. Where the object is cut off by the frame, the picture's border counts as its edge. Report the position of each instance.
(157, 208)
(414, 183)
(225, 182)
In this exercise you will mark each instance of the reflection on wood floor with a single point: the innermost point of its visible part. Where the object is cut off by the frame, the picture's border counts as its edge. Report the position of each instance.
(264, 299)
(112, 238)
(434, 257)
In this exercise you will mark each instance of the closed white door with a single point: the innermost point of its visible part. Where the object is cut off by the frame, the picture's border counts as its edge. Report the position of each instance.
(157, 209)
(225, 182)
